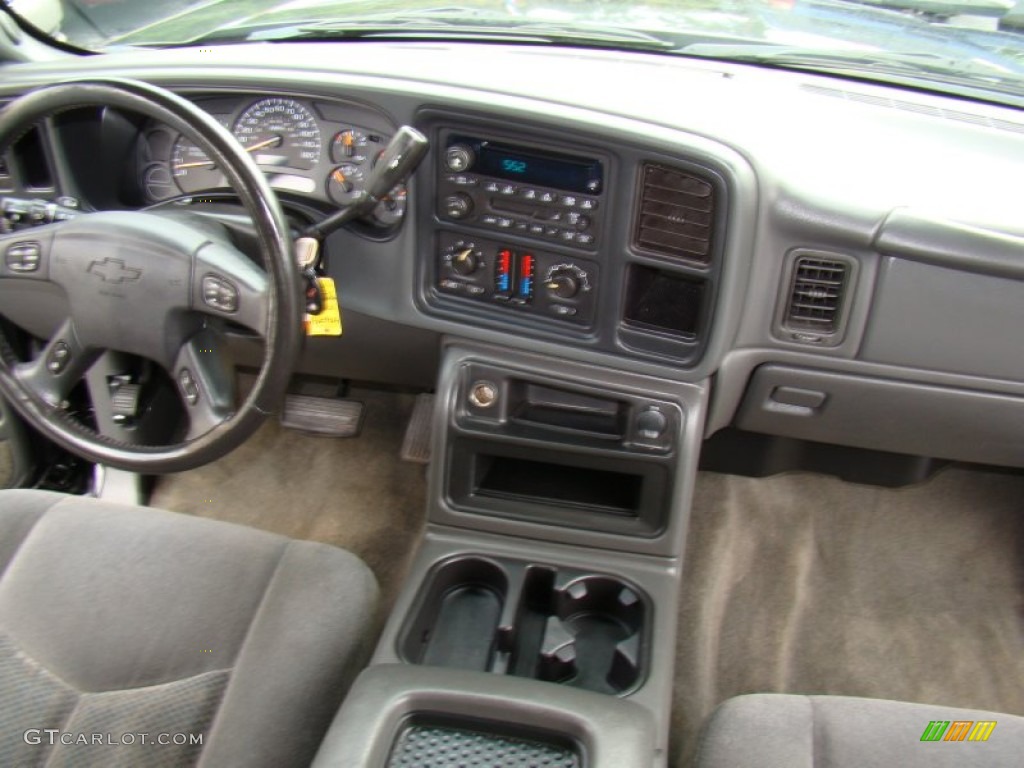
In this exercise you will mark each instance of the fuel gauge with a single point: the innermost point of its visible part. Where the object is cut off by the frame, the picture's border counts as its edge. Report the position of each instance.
(344, 183)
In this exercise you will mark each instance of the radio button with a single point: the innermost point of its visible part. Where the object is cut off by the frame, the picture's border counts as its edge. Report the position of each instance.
(489, 221)
(536, 229)
(508, 189)
(568, 235)
(492, 186)
(548, 197)
(588, 204)
(504, 223)
(528, 194)
(458, 158)
(458, 206)
(584, 239)
(551, 231)
(569, 201)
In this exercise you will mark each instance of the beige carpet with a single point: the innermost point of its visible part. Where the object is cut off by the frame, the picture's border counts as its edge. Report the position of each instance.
(806, 584)
(797, 583)
(353, 492)
(6, 465)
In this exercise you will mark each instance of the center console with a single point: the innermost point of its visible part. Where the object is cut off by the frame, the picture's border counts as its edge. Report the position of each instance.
(539, 615)
(538, 620)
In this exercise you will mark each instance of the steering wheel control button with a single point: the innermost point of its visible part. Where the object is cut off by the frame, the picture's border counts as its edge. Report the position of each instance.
(220, 294)
(58, 359)
(483, 394)
(189, 387)
(23, 257)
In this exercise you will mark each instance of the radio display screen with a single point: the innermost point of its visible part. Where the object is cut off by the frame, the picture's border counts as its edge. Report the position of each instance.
(532, 167)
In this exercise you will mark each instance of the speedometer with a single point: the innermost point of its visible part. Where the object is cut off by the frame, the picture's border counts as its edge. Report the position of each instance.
(280, 133)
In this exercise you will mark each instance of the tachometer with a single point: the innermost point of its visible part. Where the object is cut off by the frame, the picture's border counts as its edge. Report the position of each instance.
(192, 169)
(280, 133)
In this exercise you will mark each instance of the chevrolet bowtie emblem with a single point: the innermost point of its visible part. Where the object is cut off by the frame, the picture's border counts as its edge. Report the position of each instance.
(113, 271)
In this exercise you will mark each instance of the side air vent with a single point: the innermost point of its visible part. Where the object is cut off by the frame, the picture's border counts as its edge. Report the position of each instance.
(814, 306)
(675, 214)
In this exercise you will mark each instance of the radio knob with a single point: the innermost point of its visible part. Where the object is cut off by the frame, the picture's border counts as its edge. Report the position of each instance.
(465, 262)
(563, 286)
(458, 206)
(459, 158)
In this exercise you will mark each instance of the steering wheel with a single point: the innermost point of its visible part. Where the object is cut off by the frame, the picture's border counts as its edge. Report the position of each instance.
(149, 285)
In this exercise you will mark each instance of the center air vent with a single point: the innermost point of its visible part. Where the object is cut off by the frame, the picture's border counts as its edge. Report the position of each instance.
(816, 297)
(675, 214)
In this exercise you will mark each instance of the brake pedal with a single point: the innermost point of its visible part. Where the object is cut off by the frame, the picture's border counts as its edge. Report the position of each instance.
(416, 445)
(328, 416)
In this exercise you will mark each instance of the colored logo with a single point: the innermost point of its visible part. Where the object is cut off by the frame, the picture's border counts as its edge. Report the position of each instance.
(958, 730)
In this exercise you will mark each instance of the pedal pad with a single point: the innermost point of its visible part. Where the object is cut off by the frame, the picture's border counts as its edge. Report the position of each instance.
(416, 445)
(328, 416)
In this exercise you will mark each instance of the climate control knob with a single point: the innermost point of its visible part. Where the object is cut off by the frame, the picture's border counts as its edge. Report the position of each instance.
(458, 206)
(465, 262)
(563, 286)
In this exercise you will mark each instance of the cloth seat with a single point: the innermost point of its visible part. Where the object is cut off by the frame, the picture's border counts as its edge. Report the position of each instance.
(790, 731)
(119, 621)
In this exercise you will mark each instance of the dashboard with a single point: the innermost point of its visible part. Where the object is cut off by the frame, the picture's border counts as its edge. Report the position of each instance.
(316, 149)
(834, 261)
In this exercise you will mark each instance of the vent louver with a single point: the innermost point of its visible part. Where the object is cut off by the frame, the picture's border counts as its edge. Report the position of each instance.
(675, 214)
(816, 296)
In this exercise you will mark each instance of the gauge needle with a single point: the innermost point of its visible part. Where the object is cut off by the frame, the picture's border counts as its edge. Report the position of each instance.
(263, 144)
(251, 148)
(197, 164)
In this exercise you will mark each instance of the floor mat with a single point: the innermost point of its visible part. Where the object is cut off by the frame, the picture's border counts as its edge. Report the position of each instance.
(352, 493)
(803, 583)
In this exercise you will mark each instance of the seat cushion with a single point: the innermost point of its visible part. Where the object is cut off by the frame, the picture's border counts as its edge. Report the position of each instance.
(788, 731)
(127, 620)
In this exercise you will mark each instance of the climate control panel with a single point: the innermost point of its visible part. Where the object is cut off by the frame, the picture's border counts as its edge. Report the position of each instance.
(520, 278)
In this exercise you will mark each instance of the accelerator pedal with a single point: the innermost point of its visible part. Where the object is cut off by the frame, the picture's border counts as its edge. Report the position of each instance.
(416, 445)
(327, 416)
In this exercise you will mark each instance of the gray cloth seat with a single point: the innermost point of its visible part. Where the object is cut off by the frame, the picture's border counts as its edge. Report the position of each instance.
(790, 731)
(118, 621)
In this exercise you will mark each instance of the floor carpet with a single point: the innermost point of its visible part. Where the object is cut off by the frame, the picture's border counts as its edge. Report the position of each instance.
(351, 492)
(803, 583)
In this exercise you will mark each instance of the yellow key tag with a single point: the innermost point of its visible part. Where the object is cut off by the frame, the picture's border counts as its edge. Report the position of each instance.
(328, 322)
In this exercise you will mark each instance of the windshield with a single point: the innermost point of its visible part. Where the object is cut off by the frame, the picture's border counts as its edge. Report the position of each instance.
(965, 47)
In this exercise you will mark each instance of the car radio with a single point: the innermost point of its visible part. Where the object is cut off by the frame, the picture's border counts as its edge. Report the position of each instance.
(528, 192)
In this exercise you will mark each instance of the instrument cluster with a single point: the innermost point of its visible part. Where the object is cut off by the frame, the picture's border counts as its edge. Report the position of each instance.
(317, 150)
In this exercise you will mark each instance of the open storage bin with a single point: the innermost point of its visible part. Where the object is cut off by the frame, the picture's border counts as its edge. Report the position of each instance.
(561, 625)
(441, 742)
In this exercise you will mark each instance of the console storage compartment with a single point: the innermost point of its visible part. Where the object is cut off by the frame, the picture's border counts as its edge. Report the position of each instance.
(438, 717)
(538, 621)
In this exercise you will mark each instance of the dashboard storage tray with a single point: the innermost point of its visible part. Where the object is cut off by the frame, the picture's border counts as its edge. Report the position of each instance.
(538, 621)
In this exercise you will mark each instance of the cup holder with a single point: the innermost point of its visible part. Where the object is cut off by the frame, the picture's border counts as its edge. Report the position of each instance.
(457, 619)
(592, 638)
(563, 626)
